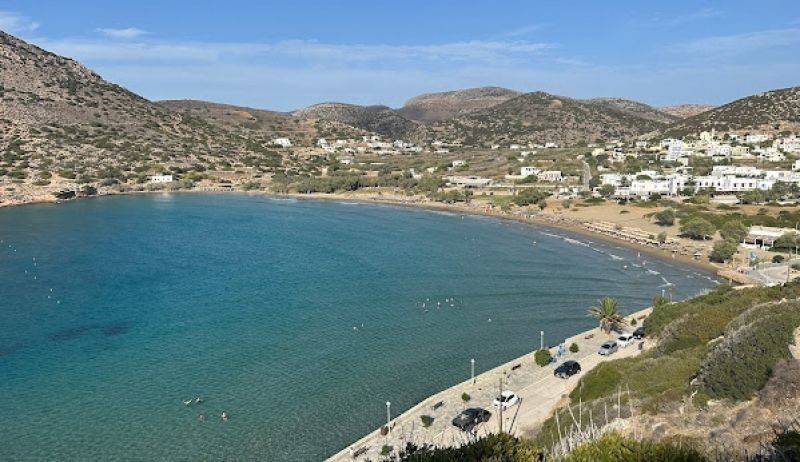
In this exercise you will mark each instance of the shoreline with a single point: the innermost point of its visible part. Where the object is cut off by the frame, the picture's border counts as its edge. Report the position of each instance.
(535, 220)
(547, 220)
(544, 406)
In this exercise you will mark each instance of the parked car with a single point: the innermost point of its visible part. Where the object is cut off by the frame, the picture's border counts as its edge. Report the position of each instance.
(506, 399)
(471, 417)
(608, 348)
(567, 369)
(638, 334)
(624, 340)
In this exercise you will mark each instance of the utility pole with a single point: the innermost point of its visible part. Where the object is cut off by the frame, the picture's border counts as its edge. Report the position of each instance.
(472, 362)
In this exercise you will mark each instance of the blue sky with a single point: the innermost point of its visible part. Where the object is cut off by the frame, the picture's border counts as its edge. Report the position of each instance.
(284, 55)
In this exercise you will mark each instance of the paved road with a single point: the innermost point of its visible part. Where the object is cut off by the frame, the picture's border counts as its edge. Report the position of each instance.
(539, 390)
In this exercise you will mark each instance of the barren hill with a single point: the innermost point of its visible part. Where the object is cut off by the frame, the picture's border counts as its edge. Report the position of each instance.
(433, 107)
(682, 111)
(62, 122)
(774, 110)
(378, 119)
(633, 108)
(541, 117)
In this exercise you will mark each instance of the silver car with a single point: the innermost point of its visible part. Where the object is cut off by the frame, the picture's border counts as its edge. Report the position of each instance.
(608, 348)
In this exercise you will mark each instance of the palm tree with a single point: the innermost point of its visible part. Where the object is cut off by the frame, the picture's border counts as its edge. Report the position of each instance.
(607, 313)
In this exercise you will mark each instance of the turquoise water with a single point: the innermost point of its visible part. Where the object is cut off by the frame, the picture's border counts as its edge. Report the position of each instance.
(114, 310)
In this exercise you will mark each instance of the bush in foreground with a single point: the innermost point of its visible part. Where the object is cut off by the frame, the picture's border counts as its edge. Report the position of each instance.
(542, 357)
(611, 447)
(573, 348)
(614, 448)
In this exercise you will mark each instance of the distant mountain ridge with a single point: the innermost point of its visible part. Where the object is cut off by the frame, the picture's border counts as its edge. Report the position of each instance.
(775, 110)
(683, 111)
(435, 107)
(54, 107)
(541, 117)
(377, 119)
(633, 108)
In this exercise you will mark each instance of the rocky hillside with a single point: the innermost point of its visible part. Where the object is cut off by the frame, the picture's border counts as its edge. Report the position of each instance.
(270, 124)
(541, 117)
(633, 108)
(772, 111)
(378, 119)
(435, 107)
(62, 123)
(683, 111)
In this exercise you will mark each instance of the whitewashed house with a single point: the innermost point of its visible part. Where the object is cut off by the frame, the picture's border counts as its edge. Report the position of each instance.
(161, 179)
(282, 142)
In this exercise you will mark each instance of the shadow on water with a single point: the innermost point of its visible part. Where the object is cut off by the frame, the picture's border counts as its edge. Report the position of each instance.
(111, 329)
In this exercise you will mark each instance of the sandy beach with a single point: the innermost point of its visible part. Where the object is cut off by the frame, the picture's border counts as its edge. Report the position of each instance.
(539, 390)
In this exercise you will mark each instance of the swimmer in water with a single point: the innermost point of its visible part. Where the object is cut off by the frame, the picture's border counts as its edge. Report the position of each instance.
(224, 416)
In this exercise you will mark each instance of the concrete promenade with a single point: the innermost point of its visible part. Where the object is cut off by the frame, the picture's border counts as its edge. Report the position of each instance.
(539, 391)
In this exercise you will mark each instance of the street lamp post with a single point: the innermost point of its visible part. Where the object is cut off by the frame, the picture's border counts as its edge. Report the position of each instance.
(472, 362)
(388, 414)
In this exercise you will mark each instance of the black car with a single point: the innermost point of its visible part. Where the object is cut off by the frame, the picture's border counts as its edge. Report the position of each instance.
(638, 334)
(567, 369)
(471, 417)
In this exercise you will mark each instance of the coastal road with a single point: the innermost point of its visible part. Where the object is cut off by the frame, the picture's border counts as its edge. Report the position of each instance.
(540, 393)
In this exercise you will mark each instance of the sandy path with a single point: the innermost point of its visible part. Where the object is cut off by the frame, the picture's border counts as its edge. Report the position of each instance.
(539, 391)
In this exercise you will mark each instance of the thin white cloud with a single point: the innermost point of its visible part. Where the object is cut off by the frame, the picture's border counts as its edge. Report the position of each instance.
(699, 15)
(523, 31)
(749, 42)
(308, 51)
(15, 23)
(127, 33)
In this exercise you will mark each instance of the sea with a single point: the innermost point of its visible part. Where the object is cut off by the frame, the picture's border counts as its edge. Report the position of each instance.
(299, 319)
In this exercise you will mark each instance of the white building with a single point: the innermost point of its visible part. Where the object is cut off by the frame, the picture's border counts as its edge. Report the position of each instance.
(161, 179)
(770, 154)
(528, 171)
(282, 142)
(756, 138)
(468, 181)
(553, 176)
(788, 144)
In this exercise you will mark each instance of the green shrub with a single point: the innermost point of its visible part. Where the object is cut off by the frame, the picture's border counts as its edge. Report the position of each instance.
(778, 259)
(723, 250)
(665, 217)
(741, 364)
(613, 447)
(633, 321)
(502, 447)
(697, 228)
(573, 348)
(542, 357)
(734, 230)
(386, 450)
(427, 420)
(465, 397)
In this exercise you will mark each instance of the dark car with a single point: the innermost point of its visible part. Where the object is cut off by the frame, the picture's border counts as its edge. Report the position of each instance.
(471, 417)
(567, 369)
(638, 334)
